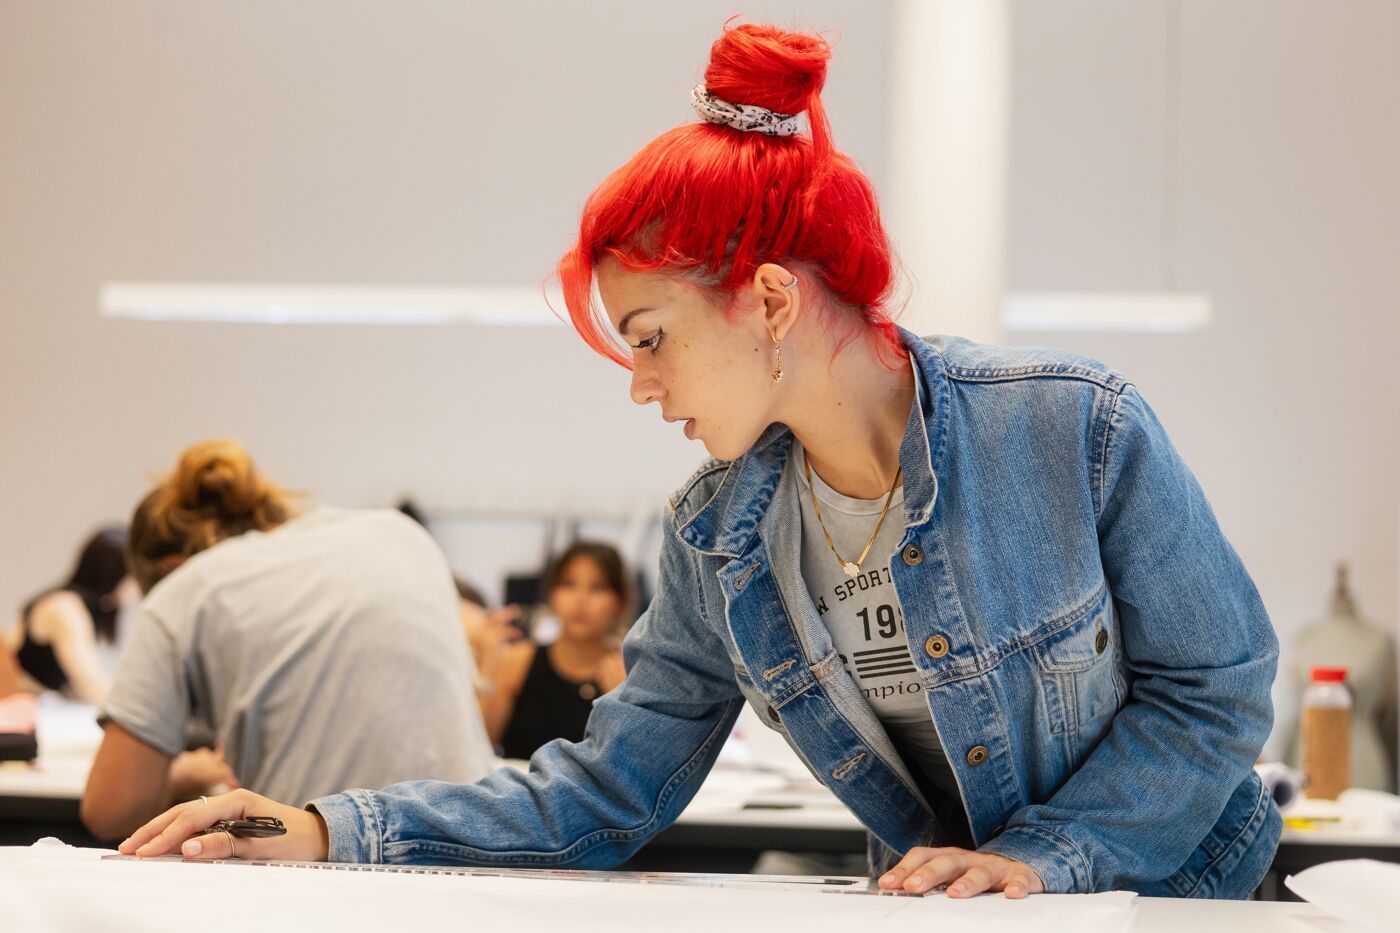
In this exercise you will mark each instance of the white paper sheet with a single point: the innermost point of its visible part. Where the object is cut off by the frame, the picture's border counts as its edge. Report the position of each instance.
(54, 887)
(1362, 892)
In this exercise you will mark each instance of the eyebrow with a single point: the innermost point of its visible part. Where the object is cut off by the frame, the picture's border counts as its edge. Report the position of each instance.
(627, 319)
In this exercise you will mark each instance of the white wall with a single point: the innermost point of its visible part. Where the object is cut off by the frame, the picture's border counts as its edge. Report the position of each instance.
(452, 143)
(1249, 150)
(419, 142)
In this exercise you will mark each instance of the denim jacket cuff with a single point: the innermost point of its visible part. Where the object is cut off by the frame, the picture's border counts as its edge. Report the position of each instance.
(352, 825)
(1058, 861)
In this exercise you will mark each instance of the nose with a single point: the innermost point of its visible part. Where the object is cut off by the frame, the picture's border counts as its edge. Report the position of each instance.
(645, 386)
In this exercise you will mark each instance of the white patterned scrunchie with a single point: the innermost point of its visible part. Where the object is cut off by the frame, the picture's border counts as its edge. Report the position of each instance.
(744, 117)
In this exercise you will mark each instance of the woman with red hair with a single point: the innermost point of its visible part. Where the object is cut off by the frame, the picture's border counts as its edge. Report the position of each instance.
(975, 588)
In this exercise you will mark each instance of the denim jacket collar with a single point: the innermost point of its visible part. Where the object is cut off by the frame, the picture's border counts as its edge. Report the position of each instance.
(727, 523)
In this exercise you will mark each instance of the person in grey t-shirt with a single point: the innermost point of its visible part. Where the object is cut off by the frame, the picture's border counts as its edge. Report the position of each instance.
(323, 649)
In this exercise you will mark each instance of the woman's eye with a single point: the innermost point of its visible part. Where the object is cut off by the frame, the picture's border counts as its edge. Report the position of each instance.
(651, 343)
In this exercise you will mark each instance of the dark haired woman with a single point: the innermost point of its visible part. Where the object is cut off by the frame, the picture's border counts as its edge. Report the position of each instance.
(531, 694)
(322, 648)
(57, 638)
(975, 587)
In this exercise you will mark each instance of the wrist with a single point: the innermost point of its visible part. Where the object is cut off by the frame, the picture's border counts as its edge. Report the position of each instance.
(318, 836)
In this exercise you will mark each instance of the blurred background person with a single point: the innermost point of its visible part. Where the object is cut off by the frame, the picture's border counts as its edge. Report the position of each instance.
(60, 631)
(324, 649)
(531, 694)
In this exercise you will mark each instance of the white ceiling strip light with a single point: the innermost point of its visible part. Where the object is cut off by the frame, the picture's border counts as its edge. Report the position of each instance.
(326, 304)
(1148, 312)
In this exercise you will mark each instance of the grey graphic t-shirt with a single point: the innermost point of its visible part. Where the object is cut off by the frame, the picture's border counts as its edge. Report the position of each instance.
(864, 617)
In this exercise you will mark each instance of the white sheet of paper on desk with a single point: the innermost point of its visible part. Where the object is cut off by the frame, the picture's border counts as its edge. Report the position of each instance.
(59, 888)
(1360, 891)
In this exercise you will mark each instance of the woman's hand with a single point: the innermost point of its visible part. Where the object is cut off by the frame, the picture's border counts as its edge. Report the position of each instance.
(489, 633)
(965, 872)
(180, 829)
(201, 771)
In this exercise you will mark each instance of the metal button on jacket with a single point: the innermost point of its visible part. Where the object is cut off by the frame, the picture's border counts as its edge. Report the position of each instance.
(913, 555)
(936, 646)
(1100, 641)
(773, 715)
(977, 755)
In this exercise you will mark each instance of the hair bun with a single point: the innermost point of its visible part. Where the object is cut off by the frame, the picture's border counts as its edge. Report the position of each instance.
(764, 66)
(219, 475)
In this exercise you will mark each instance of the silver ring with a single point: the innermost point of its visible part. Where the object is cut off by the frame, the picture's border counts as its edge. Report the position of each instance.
(203, 799)
(793, 283)
(231, 852)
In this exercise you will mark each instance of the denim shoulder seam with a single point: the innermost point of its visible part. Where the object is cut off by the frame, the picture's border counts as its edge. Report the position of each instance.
(1106, 450)
(1102, 378)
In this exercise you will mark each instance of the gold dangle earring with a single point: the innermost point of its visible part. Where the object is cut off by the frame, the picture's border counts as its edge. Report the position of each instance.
(778, 344)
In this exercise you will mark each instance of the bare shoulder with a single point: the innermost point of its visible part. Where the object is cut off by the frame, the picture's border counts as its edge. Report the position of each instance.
(61, 612)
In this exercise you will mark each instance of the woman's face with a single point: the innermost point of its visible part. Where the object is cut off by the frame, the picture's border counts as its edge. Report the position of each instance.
(706, 370)
(587, 606)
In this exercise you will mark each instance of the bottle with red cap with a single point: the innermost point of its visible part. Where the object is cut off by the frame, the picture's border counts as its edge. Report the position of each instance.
(1326, 734)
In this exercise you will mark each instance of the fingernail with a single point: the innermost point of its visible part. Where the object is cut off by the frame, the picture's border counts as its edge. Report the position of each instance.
(916, 883)
(956, 889)
(1015, 890)
(192, 847)
(888, 879)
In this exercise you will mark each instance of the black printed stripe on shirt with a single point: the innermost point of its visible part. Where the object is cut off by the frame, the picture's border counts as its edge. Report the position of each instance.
(883, 662)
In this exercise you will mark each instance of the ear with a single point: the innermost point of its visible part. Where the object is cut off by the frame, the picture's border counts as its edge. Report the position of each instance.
(782, 300)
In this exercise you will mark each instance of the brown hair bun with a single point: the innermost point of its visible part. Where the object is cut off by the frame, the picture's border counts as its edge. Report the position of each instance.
(219, 475)
(216, 492)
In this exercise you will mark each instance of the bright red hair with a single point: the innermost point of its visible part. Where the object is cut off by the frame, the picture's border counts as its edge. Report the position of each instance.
(716, 202)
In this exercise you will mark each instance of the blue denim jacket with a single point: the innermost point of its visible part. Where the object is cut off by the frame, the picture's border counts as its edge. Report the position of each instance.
(1096, 659)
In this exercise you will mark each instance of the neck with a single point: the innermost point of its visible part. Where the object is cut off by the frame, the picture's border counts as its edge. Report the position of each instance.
(568, 649)
(851, 416)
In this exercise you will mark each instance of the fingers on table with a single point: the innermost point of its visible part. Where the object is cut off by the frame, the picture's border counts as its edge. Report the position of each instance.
(965, 872)
(216, 846)
(913, 860)
(166, 832)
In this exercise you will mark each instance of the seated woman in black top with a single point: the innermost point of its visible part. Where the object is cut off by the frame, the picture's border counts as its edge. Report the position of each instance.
(531, 694)
(56, 639)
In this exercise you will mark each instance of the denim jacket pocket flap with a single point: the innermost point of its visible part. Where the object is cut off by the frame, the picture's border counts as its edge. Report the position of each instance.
(1079, 676)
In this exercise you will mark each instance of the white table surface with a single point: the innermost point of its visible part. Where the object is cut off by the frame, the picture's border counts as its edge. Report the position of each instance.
(57, 888)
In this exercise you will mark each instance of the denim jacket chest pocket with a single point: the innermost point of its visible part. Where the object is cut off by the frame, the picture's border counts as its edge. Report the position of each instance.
(1081, 673)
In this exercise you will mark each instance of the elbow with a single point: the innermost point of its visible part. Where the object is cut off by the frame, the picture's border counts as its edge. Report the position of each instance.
(101, 820)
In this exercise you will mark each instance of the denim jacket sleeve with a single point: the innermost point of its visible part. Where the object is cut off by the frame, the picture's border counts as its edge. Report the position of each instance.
(1201, 653)
(590, 804)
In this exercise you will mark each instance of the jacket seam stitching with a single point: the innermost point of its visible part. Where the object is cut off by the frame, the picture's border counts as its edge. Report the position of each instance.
(1108, 436)
(1067, 843)
(1229, 849)
(1038, 371)
(1024, 642)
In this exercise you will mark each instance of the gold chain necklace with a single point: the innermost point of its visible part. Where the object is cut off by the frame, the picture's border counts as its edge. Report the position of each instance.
(852, 568)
